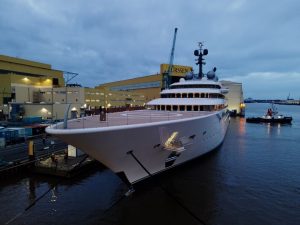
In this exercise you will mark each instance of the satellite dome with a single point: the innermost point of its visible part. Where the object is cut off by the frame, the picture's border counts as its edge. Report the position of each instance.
(211, 74)
(189, 76)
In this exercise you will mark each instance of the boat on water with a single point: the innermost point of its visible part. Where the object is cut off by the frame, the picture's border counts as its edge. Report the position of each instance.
(271, 116)
(188, 120)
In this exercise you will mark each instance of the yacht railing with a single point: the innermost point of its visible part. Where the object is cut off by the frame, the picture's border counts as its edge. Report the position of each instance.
(128, 118)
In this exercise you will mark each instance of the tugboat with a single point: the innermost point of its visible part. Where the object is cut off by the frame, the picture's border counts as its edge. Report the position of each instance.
(271, 117)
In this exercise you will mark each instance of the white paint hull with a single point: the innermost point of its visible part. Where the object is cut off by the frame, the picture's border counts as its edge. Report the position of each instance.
(111, 147)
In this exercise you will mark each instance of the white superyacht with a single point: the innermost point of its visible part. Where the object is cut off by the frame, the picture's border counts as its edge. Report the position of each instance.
(188, 120)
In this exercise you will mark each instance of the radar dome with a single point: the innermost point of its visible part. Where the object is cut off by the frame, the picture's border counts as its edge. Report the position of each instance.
(189, 76)
(211, 74)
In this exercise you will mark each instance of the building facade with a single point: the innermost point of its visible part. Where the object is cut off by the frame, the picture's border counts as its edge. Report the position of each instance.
(29, 89)
(235, 97)
(147, 86)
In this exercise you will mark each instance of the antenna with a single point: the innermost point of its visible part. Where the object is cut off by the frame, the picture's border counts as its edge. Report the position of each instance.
(200, 61)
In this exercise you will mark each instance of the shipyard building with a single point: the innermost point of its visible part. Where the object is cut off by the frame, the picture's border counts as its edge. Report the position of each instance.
(31, 89)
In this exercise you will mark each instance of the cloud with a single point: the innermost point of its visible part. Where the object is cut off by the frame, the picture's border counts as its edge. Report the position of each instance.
(269, 85)
(110, 40)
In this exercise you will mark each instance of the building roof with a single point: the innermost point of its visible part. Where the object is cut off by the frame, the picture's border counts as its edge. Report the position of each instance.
(26, 67)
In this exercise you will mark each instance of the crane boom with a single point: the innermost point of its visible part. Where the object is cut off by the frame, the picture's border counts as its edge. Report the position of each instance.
(168, 73)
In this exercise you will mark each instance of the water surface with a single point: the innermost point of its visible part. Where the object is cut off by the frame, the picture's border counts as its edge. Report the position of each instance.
(253, 178)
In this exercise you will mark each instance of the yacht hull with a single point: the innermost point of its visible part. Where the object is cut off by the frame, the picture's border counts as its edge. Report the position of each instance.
(157, 146)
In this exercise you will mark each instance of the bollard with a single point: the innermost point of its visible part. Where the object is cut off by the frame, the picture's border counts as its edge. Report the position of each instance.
(31, 153)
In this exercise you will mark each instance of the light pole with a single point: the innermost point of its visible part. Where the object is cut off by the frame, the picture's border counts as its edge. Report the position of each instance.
(70, 76)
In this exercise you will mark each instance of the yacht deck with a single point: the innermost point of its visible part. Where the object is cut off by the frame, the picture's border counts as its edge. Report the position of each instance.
(130, 118)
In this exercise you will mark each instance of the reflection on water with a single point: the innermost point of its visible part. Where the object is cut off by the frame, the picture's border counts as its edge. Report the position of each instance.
(31, 194)
(252, 179)
(242, 126)
(53, 195)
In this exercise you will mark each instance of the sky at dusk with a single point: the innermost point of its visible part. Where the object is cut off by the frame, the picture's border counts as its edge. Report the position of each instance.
(255, 42)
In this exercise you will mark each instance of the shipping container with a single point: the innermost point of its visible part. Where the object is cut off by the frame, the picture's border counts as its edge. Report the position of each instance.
(32, 119)
(28, 131)
(20, 131)
(11, 136)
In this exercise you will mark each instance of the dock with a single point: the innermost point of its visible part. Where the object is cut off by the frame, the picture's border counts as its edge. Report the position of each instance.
(60, 165)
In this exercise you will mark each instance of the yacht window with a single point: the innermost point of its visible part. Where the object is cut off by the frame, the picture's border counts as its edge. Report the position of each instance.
(196, 95)
(184, 95)
(172, 95)
(178, 95)
(196, 108)
(182, 108)
(163, 107)
(202, 95)
(158, 107)
(175, 107)
(201, 107)
(188, 108)
(190, 95)
(168, 107)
